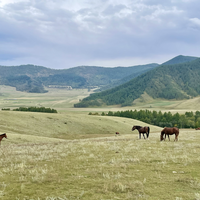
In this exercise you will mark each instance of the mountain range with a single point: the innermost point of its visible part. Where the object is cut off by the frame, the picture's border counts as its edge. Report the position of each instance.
(174, 79)
(37, 79)
(167, 81)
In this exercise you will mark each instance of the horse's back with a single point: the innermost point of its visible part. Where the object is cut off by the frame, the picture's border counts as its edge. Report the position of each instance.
(172, 130)
(176, 130)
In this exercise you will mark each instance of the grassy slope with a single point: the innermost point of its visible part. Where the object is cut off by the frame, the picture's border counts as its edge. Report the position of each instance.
(55, 98)
(179, 81)
(64, 126)
(39, 161)
(120, 167)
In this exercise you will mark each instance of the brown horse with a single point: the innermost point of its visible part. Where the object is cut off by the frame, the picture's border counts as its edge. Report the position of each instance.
(142, 130)
(169, 131)
(2, 136)
(117, 133)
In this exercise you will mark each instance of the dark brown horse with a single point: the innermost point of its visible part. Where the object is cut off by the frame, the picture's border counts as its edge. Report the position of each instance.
(142, 130)
(2, 136)
(169, 131)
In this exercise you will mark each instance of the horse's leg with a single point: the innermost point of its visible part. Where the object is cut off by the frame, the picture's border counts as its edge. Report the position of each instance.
(147, 135)
(139, 135)
(168, 137)
(143, 135)
(148, 132)
(176, 138)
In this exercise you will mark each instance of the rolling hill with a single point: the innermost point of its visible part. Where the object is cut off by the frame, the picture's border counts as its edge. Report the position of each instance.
(31, 78)
(177, 81)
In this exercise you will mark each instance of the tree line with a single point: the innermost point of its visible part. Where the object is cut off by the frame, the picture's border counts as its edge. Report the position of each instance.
(166, 119)
(36, 109)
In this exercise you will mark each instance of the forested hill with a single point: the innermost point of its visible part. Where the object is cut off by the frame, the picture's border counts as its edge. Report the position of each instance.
(89, 76)
(31, 78)
(178, 81)
(24, 77)
(180, 59)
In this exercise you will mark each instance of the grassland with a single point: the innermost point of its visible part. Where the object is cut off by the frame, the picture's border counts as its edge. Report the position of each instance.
(120, 167)
(73, 155)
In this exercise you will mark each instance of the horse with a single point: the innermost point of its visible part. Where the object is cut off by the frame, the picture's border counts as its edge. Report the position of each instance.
(142, 130)
(2, 136)
(197, 128)
(169, 131)
(117, 133)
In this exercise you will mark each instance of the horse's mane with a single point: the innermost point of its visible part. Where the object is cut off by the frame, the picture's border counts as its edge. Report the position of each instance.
(3, 134)
(138, 126)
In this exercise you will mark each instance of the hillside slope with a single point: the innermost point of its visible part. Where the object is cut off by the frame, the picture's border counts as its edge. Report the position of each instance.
(179, 81)
(138, 70)
(179, 59)
(65, 126)
(23, 77)
(31, 78)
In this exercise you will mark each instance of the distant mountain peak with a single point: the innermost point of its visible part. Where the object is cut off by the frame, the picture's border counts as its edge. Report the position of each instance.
(180, 59)
(172, 81)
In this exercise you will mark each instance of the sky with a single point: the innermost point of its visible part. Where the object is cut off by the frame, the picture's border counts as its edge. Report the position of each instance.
(62, 34)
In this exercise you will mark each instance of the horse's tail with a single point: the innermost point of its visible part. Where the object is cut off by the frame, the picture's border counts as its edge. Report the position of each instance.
(148, 132)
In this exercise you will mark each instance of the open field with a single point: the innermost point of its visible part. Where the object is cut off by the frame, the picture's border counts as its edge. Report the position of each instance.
(63, 100)
(64, 126)
(73, 155)
(121, 167)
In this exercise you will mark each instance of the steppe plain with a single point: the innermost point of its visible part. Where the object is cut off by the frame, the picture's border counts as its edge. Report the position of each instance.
(73, 155)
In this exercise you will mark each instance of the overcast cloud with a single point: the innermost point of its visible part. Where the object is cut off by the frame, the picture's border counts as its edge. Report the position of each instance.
(68, 33)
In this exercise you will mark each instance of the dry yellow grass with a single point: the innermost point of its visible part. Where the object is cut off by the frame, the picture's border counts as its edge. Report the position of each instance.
(73, 155)
(120, 167)
(65, 126)
(63, 100)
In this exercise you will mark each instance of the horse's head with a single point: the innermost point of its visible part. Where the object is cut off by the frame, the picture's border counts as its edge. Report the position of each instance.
(161, 137)
(5, 135)
(162, 134)
(133, 128)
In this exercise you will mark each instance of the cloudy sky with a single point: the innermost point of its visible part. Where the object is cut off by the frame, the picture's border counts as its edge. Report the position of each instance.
(67, 33)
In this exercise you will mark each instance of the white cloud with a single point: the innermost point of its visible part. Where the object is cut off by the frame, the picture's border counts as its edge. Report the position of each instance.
(195, 22)
(67, 33)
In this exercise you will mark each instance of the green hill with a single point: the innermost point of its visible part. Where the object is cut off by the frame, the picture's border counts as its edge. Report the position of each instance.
(23, 77)
(31, 78)
(179, 59)
(64, 126)
(138, 70)
(179, 81)
(89, 76)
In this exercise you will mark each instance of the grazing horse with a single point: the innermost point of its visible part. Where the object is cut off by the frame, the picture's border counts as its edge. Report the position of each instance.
(117, 133)
(142, 130)
(169, 131)
(2, 136)
(197, 128)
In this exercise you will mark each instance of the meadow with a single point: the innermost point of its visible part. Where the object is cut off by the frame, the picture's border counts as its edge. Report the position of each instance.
(73, 155)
